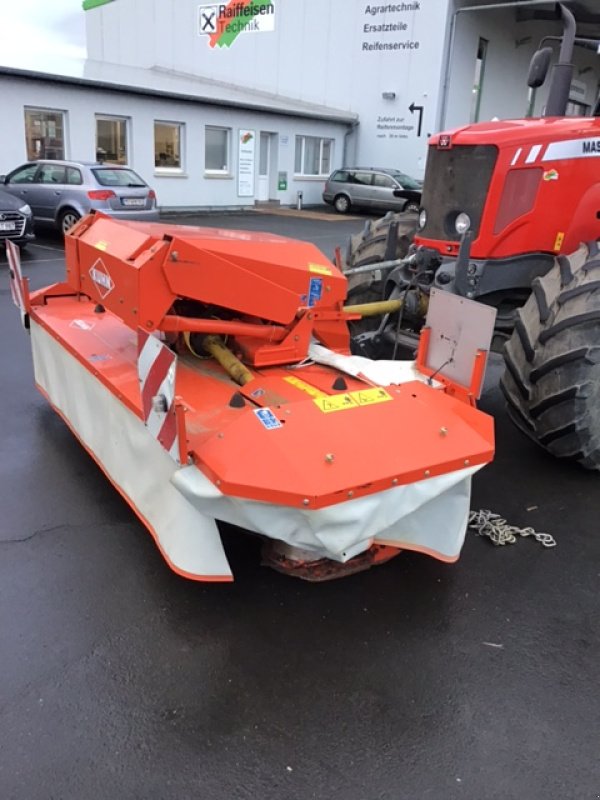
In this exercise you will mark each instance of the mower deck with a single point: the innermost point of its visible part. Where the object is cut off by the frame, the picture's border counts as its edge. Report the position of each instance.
(328, 444)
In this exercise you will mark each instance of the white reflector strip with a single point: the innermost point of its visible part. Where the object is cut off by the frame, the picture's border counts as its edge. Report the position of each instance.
(16, 276)
(533, 153)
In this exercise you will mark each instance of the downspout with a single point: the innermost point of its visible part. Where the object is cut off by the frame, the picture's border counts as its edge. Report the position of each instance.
(450, 49)
(351, 128)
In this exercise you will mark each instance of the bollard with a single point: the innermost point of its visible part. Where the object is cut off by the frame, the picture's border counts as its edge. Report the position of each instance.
(299, 201)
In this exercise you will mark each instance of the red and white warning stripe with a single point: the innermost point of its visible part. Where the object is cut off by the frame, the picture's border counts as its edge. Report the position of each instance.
(156, 371)
(16, 276)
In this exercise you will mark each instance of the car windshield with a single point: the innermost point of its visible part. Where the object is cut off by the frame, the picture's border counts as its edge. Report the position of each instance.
(117, 177)
(407, 182)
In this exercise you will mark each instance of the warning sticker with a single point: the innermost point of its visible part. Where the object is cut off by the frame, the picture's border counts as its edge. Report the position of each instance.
(304, 387)
(367, 397)
(363, 397)
(267, 418)
(81, 324)
(558, 242)
(315, 290)
(335, 402)
(320, 269)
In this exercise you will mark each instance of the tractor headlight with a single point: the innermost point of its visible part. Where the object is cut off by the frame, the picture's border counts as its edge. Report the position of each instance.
(422, 219)
(462, 223)
(26, 209)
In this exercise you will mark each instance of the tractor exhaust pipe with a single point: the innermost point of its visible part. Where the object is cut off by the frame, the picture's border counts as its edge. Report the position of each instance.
(562, 72)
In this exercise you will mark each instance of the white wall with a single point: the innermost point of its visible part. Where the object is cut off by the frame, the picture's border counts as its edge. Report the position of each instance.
(511, 45)
(314, 54)
(190, 190)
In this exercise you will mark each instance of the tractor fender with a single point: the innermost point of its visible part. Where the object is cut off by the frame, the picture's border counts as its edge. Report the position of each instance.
(585, 224)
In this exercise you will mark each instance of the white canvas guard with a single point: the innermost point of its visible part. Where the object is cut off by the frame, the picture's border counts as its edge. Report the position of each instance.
(180, 504)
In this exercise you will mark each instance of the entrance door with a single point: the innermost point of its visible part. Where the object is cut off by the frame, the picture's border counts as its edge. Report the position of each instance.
(264, 159)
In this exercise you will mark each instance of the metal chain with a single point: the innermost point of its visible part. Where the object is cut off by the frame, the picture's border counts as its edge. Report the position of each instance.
(486, 523)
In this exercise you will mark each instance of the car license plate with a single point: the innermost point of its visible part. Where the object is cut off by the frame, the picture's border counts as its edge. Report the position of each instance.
(7, 226)
(134, 201)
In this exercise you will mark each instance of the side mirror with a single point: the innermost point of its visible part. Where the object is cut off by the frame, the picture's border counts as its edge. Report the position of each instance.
(2, 178)
(539, 66)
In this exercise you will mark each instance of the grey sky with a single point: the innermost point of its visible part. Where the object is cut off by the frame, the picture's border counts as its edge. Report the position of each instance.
(42, 34)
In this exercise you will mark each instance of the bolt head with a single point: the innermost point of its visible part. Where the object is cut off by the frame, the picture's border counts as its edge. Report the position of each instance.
(443, 431)
(329, 458)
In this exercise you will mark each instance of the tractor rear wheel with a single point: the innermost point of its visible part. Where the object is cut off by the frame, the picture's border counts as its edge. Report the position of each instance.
(385, 239)
(552, 377)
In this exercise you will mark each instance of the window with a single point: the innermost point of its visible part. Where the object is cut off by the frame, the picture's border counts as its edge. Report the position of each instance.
(111, 140)
(74, 176)
(44, 134)
(216, 149)
(167, 145)
(341, 176)
(117, 177)
(577, 109)
(52, 174)
(23, 174)
(383, 181)
(478, 79)
(407, 182)
(362, 178)
(313, 156)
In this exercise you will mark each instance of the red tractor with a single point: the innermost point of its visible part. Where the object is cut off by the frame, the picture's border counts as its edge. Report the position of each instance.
(510, 216)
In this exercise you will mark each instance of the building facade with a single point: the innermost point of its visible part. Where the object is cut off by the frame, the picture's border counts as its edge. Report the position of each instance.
(228, 104)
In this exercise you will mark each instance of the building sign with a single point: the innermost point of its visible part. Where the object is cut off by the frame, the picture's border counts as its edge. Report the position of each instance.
(223, 23)
(388, 28)
(246, 149)
(89, 4)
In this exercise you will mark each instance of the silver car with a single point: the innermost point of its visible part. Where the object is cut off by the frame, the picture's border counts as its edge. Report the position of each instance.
(372, 187)
(61, 192)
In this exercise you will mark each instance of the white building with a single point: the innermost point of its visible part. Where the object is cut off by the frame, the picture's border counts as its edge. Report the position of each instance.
(223, 105)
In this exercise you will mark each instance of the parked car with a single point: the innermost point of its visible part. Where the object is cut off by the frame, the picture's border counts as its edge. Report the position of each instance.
(16, 220)
(61, 192)
(371, 187)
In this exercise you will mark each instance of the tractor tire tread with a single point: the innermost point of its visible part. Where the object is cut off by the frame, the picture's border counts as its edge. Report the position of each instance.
(552, 378)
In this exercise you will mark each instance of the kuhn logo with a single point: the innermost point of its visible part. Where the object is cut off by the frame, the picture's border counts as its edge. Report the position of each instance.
(101, 278)
(224, 23)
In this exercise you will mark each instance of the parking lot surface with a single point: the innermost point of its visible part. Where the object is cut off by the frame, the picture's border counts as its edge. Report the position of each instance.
(477, 680)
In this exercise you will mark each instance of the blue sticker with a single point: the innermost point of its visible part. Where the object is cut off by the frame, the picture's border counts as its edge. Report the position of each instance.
(315, 290)
(268, 418)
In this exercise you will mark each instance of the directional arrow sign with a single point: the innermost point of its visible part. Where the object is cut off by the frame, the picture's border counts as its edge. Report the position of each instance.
(412, 108)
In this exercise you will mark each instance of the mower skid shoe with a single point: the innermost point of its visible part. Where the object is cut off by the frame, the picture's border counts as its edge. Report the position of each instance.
(273, 555)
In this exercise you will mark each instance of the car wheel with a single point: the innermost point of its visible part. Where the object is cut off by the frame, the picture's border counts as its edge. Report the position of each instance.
(67, 219)
(341, 203)
(412, 207)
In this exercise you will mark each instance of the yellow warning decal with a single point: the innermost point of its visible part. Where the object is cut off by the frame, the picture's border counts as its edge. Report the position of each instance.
(367, 397)
(101, 245)
(364, 397)
(320, 269)
(304, 387)
(335, 402)
(558, 242)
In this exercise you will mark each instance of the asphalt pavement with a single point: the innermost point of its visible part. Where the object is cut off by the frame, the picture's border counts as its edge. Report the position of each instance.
(414, 680)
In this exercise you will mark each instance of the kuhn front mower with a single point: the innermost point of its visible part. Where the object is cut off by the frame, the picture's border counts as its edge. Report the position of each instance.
(208, 373)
